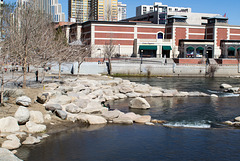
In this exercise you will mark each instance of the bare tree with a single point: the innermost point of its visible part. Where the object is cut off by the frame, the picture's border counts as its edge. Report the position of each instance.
(61, 49)
(79, 51)
(108, 13)
(109, 52)
(28, 36)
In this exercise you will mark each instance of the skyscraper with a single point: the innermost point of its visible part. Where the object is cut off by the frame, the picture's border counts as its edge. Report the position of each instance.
(105, 10)
(122, 11)
(79, 10)
(51, 7)
(84, 10)
(56, 11)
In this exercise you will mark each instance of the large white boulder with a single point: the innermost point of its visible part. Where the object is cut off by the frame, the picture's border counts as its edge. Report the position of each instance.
(35, 128)
(22, 115)
(139, 103)
(94, 107)
(72, 108)
(131, 115)
(9, 124)
(237, 119)
(143, 119)
(23, 101)
(125, 89)
(91, 119)
(62, 100)
(36, 116)
(6, 155)
(133, 95)
(123, 120)
(156, 93)
(95, 120)
(225, 86)
(110, 115)
(53, 107)
(12, 143)
(140, 88)
(81, 103)
(61, 114)
(31, 140)
(121, 96)
(170, 91)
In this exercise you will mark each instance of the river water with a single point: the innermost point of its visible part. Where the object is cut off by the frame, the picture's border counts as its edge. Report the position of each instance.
(194, 130)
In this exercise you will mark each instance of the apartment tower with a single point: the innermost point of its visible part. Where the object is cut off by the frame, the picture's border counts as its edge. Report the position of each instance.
(105, 10)
(79, 10)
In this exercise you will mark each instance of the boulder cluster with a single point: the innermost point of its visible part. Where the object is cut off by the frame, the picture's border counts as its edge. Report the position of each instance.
(234, 123)
(81, 100)
(230, 89)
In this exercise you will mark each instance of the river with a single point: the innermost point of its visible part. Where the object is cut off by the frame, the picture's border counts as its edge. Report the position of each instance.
(194, 130)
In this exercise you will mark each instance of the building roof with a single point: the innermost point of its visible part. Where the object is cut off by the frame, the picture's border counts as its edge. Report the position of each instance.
(218, 17)
(177, 17)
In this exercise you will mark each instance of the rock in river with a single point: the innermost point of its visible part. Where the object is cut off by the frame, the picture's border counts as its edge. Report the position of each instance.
(139, 103)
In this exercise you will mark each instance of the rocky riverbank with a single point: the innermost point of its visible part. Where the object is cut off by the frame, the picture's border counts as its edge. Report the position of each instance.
(30, 116)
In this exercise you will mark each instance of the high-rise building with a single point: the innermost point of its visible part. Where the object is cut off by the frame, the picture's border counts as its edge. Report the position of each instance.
(104, 10)
(122, 11)
(79, 10)
(56, 11)
(51, 7)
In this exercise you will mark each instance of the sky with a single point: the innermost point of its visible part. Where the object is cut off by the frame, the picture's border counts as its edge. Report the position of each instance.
(230, 7)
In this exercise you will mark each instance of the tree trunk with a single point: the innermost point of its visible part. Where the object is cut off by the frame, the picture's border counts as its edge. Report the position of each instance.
(59, 71)
(43, 76)
(79, 65)
(2, 88)
(110, 66)
(25, 71)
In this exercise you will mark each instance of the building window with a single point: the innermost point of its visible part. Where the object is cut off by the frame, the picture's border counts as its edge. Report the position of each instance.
(231, 52)
(160, 35)
(200, 51)
(190, 52)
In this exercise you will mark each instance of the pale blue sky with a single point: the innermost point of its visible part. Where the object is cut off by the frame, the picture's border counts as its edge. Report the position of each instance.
(230, 7)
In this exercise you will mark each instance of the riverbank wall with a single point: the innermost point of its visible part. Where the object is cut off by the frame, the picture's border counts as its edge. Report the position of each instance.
(148, 67)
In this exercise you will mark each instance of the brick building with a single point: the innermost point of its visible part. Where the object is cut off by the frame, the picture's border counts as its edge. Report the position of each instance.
(176, 39)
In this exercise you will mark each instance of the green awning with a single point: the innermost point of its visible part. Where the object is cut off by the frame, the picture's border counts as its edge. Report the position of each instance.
(147, 47)
(238, 49)
(167, 48)
(200, 48)
(190, 48)
(231, 49)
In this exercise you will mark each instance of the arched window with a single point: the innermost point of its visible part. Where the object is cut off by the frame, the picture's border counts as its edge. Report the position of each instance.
(238, 53)
(160, 35)
(231, 52)
(200, 51)
(190, 52)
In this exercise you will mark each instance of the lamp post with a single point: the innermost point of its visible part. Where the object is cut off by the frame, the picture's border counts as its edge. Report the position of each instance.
(141, 53)
(206, 57)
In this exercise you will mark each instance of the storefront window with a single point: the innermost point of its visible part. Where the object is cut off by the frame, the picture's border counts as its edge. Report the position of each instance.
(231, 52)
(190, 52)
(200, 51)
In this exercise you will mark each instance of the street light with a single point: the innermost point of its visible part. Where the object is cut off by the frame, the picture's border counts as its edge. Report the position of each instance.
(141, 53)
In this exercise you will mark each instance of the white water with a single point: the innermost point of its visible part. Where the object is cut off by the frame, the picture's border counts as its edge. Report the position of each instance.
(196, 124)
